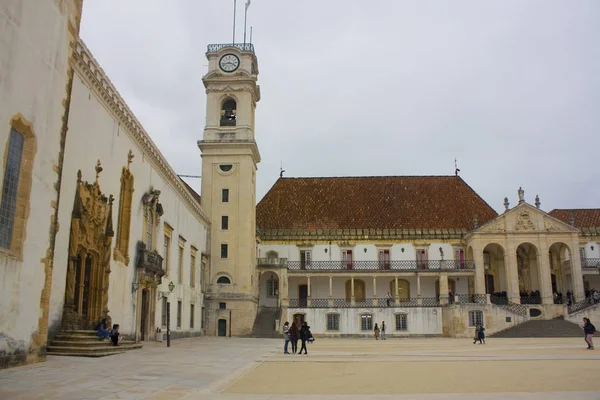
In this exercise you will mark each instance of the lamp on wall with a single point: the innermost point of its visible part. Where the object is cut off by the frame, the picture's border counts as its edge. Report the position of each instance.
(165, 294)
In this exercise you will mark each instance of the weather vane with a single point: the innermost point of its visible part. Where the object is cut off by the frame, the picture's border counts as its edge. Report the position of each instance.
(456, 170)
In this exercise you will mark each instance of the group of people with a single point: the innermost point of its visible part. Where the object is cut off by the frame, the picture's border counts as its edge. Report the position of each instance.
(479, 334)
(378, 331)
(104, 333)
(292, 334)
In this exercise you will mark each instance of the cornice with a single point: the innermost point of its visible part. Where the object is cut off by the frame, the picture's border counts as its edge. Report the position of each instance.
(360, 234)
(87, 67)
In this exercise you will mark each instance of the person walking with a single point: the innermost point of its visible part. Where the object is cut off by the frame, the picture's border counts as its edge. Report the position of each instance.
(304, 336)
(589, 329)
(388, 299)
(382, 330)
(376, 330)
(293, 333)
(286, 337)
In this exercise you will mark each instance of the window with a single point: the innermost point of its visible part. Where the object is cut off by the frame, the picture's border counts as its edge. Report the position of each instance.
(225, 196)
(180, 263)
(224, 222)
(475, 317)
(179, 314)
(401, 324)
(347, 259)
(333, 322)
(582, 255)
(149, 229)
(224, 280)
(224, 251)
(459, 258)
(272, 287)
(305, 257)
(366, 322)
(403, 289)
(222, 306)
(384, 259)
(225, 167)
(202, 311)
(167, 247)
(122, 249)
(193, 268)
(422, 258)
(163, 312)
(192, 315)
(8, 206)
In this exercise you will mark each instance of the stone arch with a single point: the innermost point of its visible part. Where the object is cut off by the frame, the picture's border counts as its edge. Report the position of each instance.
(223, 279)
(529, 273)
(494, 269)
(359, 290)
(560, 256)
(269, 287)
(19, 155)
(228, 111)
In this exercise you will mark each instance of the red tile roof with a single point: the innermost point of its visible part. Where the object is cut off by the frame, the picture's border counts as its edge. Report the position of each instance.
(584, 217)
(379, 202)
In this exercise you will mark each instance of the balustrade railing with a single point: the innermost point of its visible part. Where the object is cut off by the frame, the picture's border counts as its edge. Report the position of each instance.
(590, 263)
(272, 262)
(503, 302)
(472, 298)
(213, 48)
(366, 303)
(395, 266)
(531, 300)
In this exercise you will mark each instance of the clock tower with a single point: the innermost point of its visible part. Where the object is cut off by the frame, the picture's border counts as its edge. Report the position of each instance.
(229, 159)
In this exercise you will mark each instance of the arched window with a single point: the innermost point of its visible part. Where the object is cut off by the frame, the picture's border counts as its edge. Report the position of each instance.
(403, 289)
(272, 254)
(224, 280)
(228, 113)
(359, 290)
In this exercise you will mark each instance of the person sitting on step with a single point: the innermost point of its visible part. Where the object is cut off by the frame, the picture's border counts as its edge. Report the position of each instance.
(102, 331)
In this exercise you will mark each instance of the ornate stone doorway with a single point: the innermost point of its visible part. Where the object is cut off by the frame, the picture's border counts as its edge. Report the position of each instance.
(529, 274)
(86, 294)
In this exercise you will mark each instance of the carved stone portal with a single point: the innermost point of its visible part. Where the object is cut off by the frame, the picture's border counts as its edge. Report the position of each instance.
(86, 295)
(121, 252)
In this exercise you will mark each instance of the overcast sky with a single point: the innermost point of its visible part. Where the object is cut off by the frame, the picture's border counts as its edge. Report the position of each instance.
(352, 87)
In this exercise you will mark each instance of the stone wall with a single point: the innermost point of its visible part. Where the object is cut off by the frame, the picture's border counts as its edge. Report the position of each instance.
(37, 42)
(495, 319)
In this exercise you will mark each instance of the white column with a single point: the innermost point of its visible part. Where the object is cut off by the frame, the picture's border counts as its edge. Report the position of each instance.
(374, 292)
(352, 299)
(576, 272)
(396, 298)
(544, 273)
(443, 288)
(309, 300)
(479, 271)
(330, 301)
(419, 297)
(512, 274)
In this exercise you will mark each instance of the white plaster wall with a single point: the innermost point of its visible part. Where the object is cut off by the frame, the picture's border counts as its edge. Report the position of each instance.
(589, 253)
(95, 133)
(420, 321)
(34, 49)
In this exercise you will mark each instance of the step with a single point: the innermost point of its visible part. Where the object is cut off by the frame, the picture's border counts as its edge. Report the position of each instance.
(106, 348)
(75, 354)
(76, 337)
(86, 332)
(82, 343)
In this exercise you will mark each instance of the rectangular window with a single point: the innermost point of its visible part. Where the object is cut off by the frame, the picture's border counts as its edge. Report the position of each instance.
(224, 251)
(192, 307)
(163, 313)
(149, 229)
(225, 196)
(202, 311)
(272, 287)
(179, 314)
(333, 322)
(305, 257)
(366, 322)
(193, 269)
(224, 222)
(167, 247)
(475, 317)
(222, 306)
(459, 258)
(8, 206)
(384, 259)
(180, 263)
(401, 322)
(422, 258)
(582, 255)
(347, 259)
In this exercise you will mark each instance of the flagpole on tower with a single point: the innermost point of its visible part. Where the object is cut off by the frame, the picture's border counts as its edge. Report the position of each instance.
(234, 8)
(245, 18)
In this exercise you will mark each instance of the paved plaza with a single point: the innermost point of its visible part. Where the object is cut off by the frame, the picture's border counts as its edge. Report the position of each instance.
(242, 368)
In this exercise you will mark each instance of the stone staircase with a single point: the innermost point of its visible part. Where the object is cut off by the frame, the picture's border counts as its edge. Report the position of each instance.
(86, 344)
(264, 323)
(557, 327)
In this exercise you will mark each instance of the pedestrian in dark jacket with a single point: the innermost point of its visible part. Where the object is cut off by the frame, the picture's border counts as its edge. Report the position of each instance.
(293, 332)
(589, 330)
(304, 336)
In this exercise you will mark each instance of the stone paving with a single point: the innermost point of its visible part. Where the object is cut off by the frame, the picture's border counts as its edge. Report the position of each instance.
(243, 368)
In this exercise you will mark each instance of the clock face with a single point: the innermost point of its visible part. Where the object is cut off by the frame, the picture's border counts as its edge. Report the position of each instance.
(229, 62)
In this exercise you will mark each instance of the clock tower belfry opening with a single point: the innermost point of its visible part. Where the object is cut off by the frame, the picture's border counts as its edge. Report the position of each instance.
(229, 163)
